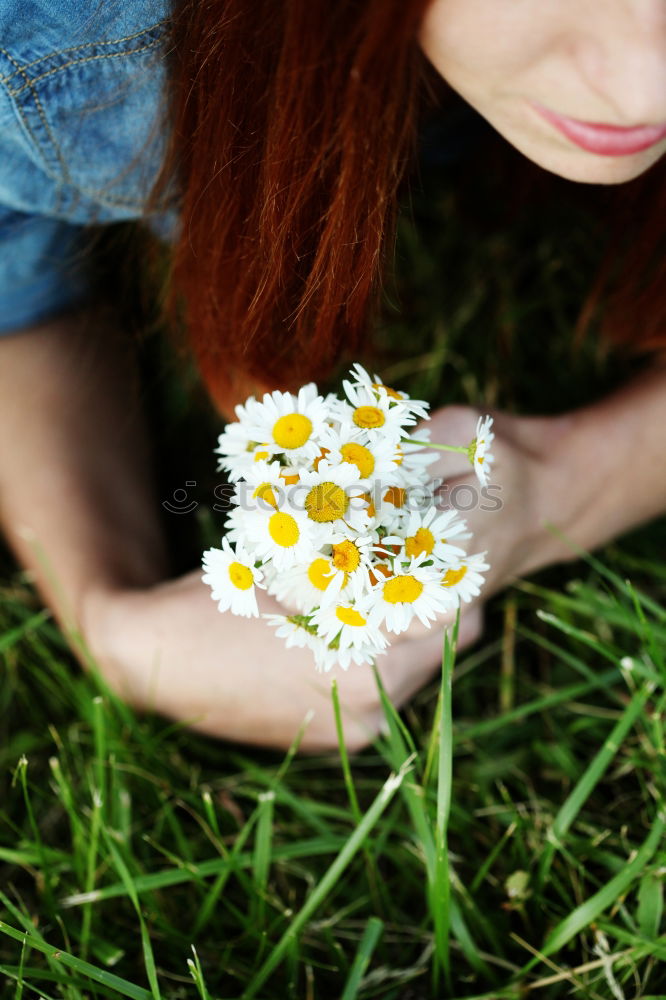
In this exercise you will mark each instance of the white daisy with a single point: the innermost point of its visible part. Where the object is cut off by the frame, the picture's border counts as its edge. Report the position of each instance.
(291, 425)
(431, 534)
(464, 579)
(374, 414)
(283, 536)
(309, 584)
(238, 451)
(327, 659)
(348, 627)
(263, 486)
(478, 452)
(351, 560)
(296, 631)
(232, 577)
(376, 458)
(332, 497)
(415, 591)
(374, 385)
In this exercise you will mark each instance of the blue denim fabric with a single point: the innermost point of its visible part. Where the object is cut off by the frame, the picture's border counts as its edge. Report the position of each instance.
(82, 132)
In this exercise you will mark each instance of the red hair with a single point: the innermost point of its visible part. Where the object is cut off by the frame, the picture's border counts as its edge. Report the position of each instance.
(293, 125)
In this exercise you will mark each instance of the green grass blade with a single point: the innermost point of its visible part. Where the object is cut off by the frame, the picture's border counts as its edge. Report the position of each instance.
(440, 894)
(591, 777)
(328, 881)
(366, 947)
(121, 986)
(650, 905)
(588, 911)
(148, 957)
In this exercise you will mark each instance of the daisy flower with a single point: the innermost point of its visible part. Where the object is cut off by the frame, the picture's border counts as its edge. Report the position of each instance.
(326, 658)
(374, 385)
(374, 414)
(331, 497)
(478, 452)
(232, 578)
(309, 584)
(349, 627)
(416, 591)
(263, 486)
(238, 452)
(375, 458)
(296, 631)
(291, 425)
(431, 534)
(464, 579)
(283, 536)
(351, 561)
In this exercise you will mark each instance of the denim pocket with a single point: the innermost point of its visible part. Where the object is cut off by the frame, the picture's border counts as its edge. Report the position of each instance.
(95, 116)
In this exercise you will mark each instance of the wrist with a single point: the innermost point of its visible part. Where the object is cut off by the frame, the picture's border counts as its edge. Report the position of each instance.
(105, 632)
(603, 470)
(553, 491)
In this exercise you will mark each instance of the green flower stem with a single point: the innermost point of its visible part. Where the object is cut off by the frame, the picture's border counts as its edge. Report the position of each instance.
(442, 447)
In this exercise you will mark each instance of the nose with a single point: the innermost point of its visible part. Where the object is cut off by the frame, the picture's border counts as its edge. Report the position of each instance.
(621, 53)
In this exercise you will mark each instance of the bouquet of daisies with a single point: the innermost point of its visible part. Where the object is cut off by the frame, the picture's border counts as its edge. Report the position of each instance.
(335, 515)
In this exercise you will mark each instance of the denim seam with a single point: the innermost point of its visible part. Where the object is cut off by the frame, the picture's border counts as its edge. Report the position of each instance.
(97, 195)
(77, 62)
(86, 45)
(45, 124)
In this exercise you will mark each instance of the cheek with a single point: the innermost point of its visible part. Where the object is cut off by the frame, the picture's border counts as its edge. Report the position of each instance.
(481, 43)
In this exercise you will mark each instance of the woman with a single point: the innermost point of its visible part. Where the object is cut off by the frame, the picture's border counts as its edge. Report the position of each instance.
(290, 128)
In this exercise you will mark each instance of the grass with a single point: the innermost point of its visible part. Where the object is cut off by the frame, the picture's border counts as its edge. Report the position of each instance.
(504, 838)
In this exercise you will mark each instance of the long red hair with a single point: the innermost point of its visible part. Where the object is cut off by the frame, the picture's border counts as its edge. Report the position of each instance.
(293, 124)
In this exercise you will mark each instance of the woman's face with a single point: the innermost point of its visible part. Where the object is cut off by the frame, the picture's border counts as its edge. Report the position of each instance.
(578, 86)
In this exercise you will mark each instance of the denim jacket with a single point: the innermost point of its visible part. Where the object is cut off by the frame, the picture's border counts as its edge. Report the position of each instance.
(81, 139)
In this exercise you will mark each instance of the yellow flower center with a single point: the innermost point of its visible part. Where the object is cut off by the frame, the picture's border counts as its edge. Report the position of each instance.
(371, 505)
(422, 542)
(259, 455)
(292, 430)
(387, 389)
(453, 576)
(402, 590)
(240, 576)
(265, 492)
(395, 495)
(317, 573)
(349, 616)
(346, 556)
(288, 479)
(283, 529)
(359, 456)
(399, 456)
(368, 416)
(326, 502)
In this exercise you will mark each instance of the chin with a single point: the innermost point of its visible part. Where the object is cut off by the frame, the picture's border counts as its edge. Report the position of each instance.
(589, 168)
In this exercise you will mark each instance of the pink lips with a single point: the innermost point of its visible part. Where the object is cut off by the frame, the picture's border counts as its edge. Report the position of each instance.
(605, 140)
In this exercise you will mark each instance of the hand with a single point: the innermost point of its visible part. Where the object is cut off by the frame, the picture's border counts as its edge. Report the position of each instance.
(528, 487)
(168, 649)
